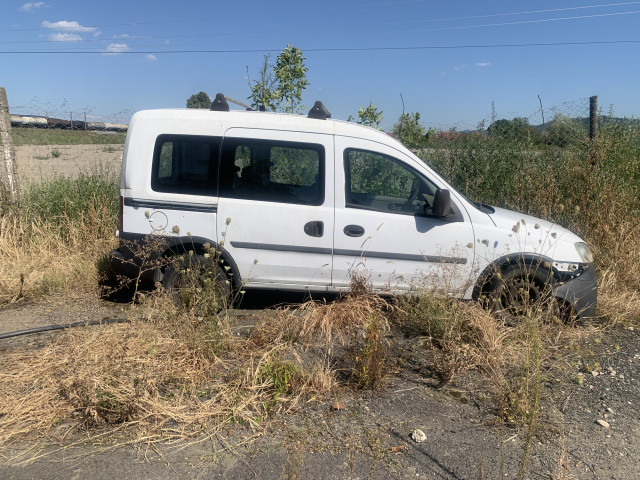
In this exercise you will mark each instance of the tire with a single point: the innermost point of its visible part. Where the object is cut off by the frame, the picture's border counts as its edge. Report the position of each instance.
(520, 289)
(197, 283)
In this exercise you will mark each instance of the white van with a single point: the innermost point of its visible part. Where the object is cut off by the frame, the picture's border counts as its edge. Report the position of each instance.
(303, 203)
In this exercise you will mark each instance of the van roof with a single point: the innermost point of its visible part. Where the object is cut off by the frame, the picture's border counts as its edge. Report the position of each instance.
(256, 119)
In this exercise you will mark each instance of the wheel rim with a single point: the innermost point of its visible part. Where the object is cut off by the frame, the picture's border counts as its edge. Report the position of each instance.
(520, 294)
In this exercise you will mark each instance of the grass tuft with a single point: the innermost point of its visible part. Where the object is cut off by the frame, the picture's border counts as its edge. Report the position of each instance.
(54, 238)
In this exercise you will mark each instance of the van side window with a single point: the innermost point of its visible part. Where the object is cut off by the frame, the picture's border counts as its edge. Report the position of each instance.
(185, 164)
(272, 171)
(378, 182)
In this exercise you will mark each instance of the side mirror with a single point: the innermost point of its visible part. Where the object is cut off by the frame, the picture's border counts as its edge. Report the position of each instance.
(441, 203)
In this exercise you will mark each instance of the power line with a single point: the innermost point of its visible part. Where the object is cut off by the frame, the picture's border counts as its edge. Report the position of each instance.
(526, 12)
(306, 50)
(522, 22)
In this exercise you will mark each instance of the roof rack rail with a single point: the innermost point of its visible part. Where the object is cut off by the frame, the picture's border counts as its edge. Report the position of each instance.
(219, 104)
(319, 111)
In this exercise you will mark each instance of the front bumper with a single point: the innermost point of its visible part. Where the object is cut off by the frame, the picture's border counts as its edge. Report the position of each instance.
(581, 293)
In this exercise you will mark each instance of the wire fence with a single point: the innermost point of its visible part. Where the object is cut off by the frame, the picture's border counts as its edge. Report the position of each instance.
(575, 123)
(67, 111)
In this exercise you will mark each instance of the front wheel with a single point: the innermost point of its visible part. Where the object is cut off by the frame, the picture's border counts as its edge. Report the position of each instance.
(520, 289)
(198, 283)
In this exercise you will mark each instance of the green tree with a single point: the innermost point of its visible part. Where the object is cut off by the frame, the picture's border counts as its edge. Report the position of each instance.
(264, 91)
(410, 132)
(369, 116)
(517, 130)
(291, 75)
(199, 100)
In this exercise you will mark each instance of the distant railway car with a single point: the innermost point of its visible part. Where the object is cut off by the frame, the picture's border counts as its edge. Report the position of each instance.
(115, 127)
(23, 121)
(96, 125)
(58, 123)
(44, 122)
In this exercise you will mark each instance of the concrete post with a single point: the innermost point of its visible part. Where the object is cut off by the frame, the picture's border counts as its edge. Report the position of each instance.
(9, 184)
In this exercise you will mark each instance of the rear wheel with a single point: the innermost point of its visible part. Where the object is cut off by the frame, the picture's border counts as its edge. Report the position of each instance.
(520, 289)
(198, 283)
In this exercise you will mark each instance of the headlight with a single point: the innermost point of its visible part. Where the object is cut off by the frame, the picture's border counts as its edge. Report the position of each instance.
(584, 252)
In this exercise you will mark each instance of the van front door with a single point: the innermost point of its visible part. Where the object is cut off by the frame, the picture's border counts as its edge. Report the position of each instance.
(383, 232)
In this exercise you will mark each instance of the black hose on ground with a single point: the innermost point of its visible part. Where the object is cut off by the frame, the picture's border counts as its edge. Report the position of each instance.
(48, 328)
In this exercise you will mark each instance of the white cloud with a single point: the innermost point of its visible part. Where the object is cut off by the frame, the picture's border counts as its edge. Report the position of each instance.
(65, 37)
(116, 48)
(31, 6)
(151, 58)
(458, 68)
(123, 35)
(482, 64)
(67, 26)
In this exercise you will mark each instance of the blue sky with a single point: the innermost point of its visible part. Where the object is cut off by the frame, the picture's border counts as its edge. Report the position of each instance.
(449, 60)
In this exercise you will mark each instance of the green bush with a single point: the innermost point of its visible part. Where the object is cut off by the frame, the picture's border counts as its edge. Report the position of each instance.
(64, 198)
(52, 136)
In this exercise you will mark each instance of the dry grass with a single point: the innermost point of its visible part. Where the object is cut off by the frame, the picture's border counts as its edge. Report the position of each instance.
(460, 336)
(170, 374)
(165, 375)
(40, 258)
(618, 302)
(330, 323)
(348, 335)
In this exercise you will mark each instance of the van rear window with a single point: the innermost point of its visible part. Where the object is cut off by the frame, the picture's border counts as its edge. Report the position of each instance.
(272, 171)
(265, 170)
(186, 164)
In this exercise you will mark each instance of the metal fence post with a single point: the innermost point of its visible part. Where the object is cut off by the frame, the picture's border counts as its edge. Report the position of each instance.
(593, 117)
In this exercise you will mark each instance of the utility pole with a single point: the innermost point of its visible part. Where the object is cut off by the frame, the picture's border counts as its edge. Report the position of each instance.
(9, 184)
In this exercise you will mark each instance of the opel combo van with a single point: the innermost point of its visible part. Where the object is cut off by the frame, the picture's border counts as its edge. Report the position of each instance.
(299, 203)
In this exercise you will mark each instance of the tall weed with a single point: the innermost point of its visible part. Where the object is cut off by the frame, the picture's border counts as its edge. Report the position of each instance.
(54, 238)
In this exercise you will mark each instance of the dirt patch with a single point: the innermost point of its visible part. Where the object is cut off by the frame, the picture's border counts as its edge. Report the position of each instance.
(42, 162)
(368, 434)
(52, 311)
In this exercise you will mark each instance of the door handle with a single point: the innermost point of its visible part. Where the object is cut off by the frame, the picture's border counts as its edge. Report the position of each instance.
(353, 231)
(314, 229)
